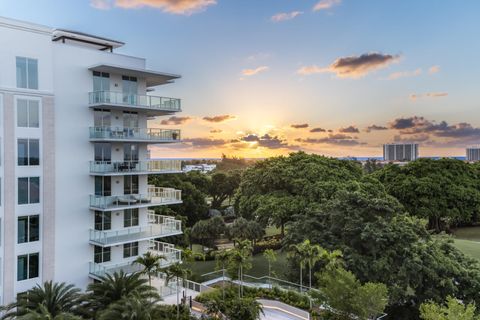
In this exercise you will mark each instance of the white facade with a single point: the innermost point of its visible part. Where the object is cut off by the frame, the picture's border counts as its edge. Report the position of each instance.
(204, 168)
(75, 182)
(400, 152)
(473, 154)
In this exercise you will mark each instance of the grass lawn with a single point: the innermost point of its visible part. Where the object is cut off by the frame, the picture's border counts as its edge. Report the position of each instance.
(467, 240)
(259, 266)
(468, 247)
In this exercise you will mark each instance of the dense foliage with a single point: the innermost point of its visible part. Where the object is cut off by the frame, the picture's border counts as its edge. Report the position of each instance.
(338, 206)
(444, 191)
(453, 310)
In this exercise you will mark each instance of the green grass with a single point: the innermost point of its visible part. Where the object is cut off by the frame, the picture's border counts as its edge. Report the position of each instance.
(272, 231)
(259, 266)
(467, 240)
(468, 247)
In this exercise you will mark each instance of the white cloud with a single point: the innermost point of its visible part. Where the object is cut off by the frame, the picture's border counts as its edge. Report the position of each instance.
(284, 16)
(326, 4)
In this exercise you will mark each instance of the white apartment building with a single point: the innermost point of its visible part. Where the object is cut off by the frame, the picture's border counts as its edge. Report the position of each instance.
(473, 154)
(74, 131)
(400, 152)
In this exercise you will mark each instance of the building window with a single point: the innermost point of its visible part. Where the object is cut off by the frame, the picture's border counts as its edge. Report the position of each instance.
(103, 151)
(27, 73)
(130, 218)
(28, 152)
(28, 229)
(103, 220)
(101, 81)
(28, 190)
(130, 152)
(101, 118)
(130, 185)
(130, 250)
(102, 254)
(28, 113)
(103, 186)
(27, 266)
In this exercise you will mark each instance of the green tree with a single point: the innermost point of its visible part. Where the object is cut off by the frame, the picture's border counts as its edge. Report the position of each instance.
(340, 290)
(242, 229)
(453, 310)
(176, 272)
(151, 264)
(41, 313)
(372, 165)
(57, 300)
(241, 260)
(131, 307)
(243, 309)
(222, 258)
(445, 191)
(206, 231)
(222, 186)
(112, 288)
(271, 257)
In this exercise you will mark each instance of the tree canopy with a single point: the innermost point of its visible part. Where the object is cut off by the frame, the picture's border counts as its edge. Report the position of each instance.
(444, 191)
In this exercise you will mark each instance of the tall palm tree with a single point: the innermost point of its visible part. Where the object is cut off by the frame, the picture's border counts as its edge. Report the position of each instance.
(296, 251)
(151, 264)
(222, 257)
(56, 299)
(176, 272)
(312, 253)
(241, 259)
(271, 256)
(112, 288)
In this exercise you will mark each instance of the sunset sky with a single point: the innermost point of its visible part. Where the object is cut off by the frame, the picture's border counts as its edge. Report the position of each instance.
(268, 77)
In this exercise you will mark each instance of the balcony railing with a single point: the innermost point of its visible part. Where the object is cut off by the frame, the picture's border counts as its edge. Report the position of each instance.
(158, 226)
(155, 196)
(135, 134)
(166, 250)
(135, 167)
(135, 100)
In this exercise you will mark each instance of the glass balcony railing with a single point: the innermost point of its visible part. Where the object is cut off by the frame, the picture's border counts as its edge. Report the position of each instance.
(166, 250)
(135, 134)
(158, 226)
(154, 197)
(135, 100)
(122, 167)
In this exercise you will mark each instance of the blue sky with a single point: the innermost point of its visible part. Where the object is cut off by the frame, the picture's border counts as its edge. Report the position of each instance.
(409, 67)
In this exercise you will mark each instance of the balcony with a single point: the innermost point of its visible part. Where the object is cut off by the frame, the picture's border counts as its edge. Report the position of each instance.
(155, 196)
(158, 227)
(120, 168)
(134, 135)
(171, 254)
(152, 105)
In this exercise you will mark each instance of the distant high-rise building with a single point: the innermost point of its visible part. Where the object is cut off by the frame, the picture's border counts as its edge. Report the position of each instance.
(473, 154)
(400, 152)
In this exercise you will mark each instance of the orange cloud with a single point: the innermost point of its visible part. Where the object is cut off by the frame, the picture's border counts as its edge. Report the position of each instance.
(326, 4)
(353, 66)
(434, 69)
(185, 7)
(220, 118)
(175, 120)
(416, 96)
(299, 126)
(252, 72)
(284, 16)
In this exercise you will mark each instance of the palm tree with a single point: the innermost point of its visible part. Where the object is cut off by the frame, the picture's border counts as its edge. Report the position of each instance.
(176, 271)
(151, 264)
(54, 299)
(241, 259)
(222, 257)
(42, 314)
(112, 288)
(296, 251)
(132, 307)
(271, 256)
(312, 253)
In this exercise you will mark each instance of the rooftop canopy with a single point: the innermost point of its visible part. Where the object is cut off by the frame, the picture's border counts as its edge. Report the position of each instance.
(85, 39)
(153, 78)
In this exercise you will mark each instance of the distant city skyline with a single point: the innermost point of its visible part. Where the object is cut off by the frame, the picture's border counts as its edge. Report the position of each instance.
(334, 77)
